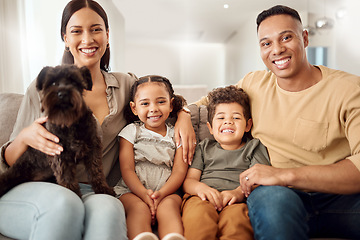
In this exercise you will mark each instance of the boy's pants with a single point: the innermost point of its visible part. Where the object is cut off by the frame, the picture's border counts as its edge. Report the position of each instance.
(203, 222)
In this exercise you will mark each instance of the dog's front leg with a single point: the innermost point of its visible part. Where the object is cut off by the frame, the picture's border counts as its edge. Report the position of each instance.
(65, 173)
(96, 175)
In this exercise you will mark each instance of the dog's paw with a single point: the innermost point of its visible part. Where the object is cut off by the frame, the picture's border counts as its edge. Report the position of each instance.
(106, 190)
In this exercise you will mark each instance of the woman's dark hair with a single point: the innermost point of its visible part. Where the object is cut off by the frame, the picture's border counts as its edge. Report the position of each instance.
(177, 103)
(277, 10)
(72, 7)
(229, 94)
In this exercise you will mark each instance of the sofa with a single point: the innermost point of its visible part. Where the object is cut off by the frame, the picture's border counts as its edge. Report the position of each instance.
(10, 103)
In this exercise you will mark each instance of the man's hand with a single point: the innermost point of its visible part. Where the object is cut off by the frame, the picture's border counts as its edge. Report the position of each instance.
(185, 135)
(261, 174)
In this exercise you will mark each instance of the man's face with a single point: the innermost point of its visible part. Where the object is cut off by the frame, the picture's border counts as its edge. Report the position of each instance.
(282, 45)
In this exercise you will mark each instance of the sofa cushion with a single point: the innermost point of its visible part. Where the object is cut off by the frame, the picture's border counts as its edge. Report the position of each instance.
(199, 120)
(203, 128)
(9, 106)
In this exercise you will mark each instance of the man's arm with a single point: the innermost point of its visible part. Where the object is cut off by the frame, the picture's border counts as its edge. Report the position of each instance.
(338, 178)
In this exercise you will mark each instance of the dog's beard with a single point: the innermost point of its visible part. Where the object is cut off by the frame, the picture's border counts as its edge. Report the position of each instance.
(63, 111)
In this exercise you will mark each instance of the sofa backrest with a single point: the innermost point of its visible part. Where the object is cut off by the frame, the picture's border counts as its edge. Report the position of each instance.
(199, 120)
(9, 107)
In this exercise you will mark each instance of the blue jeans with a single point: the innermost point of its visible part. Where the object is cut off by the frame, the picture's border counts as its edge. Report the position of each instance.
(283, 213)
(43, 211)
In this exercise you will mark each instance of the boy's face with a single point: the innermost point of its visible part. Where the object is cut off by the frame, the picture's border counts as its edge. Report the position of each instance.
(229, 125)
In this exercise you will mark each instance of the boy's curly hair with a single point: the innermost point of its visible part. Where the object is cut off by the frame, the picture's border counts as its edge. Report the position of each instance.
(229, 94)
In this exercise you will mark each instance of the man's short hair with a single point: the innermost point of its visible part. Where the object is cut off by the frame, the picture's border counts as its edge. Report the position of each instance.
(277, 10)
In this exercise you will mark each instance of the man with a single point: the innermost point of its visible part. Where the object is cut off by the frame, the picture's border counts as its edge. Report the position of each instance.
(309, 119)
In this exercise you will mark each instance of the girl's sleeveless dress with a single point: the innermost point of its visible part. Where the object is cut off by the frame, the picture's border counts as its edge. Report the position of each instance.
(153, 153)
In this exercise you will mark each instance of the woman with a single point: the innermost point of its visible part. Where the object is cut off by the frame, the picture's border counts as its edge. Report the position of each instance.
(39, 210)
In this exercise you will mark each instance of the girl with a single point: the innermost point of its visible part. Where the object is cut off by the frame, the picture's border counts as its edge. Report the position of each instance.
(47, 210)
(151, 167)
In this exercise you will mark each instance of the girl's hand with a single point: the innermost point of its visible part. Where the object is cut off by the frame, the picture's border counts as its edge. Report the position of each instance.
(157, 196)
(185, 134)
(212, 195)
(232, 196)
(146, 197)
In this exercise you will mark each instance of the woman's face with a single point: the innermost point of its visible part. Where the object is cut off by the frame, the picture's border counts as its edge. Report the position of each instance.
(87, 38)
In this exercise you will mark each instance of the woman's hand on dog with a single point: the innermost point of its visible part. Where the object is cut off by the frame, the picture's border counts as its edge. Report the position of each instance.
(38, 137)
(35, 136)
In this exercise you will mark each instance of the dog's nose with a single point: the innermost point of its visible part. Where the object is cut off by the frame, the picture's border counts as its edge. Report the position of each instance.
(61, 95)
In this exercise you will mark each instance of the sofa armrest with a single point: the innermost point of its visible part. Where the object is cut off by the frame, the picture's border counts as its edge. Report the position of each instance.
(9, 107)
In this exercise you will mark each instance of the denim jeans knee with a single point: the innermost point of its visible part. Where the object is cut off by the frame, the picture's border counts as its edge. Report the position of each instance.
(40, 210)
(277, 212)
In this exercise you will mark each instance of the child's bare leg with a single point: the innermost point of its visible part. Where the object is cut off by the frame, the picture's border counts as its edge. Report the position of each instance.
(138, 216)
(168, 216)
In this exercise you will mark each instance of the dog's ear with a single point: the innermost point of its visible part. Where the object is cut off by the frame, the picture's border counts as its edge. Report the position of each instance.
(85, 72)
(41, 78)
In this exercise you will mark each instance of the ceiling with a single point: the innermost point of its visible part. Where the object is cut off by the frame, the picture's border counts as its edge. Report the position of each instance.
(201, 20)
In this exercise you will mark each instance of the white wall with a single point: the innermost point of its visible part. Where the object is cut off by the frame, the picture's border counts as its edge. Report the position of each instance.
(342, 41)
(35, 42)
(41, 45)
(347, 36)
(183, 63)
(242, 52)
(10, 58)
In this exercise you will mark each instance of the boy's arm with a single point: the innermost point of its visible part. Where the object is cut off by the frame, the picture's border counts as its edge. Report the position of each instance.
(232, 196)
(193, 186)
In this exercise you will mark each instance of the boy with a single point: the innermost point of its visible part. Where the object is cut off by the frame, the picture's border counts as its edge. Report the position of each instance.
(214, 205)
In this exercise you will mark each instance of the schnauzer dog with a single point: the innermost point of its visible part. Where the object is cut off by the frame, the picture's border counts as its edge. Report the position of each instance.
(69, 118)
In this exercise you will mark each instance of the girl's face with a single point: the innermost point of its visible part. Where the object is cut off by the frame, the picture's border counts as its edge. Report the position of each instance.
(87, 37)
(152, 104)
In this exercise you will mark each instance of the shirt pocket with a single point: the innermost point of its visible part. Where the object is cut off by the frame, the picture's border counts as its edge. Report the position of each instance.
(311, 135)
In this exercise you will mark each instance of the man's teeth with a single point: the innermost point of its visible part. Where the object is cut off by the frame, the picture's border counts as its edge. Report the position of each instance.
(280, 62)
(87, 50)
(227, 130)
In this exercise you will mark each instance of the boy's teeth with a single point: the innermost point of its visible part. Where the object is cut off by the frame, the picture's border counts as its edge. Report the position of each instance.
(227, 130)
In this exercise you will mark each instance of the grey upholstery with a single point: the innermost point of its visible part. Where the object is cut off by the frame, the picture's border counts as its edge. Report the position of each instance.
(10, 103)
